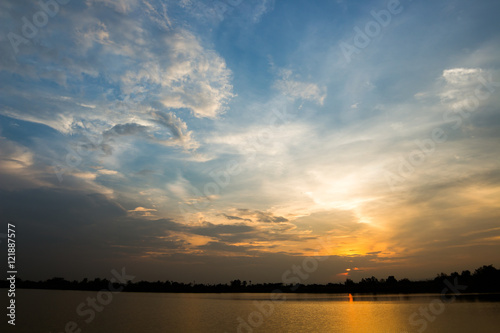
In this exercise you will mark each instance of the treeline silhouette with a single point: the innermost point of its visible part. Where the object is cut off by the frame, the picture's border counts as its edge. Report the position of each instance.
(485, 279)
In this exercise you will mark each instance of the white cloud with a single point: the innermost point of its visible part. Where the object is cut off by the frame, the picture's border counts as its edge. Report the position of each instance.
(461, 76)
(94, 32)
(108, 172)
(198, 78)
(60, 122)
(297, 89)
(158, 15)
(174, 69)
(459, 81)
(466, 88)
(85, 175)
(262, 8)
(142, 209)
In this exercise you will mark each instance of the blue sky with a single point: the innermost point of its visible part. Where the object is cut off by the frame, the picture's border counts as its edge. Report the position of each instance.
(210, 138)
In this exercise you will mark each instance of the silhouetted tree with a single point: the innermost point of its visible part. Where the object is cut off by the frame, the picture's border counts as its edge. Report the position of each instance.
(391, 280)
(235, 284)
(484, 279)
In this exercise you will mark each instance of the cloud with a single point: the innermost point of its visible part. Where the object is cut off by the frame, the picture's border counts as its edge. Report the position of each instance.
(266, 217)
(170, 66)
(462, 76)
(459, 84)
(14, 157)
(225, 232)
(108, 172)
(142, 209)
(105, 143)
(241, 12)
(197, 79)
(121, 6)
(85, 175)
(143, 212)
(158, 14)
(18, 167)
(224, 247)
(273, 236)
(95, 33)
(144, 92)
(180, 134)
(230, 217)
(262, 7)
(125, 129)
(110, 232)
(297, 89)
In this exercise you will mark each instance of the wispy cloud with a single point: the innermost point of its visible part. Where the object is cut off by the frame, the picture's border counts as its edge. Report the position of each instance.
(290, 86)
(178, 129)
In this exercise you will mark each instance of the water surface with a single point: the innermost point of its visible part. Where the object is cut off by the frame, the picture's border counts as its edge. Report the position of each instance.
(51, 310)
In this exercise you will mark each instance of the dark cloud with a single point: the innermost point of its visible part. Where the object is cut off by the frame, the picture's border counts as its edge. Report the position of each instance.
(105, 142)
(90, 234)
(224, 247)
(89, 228)
(230, 217)
(144, 172)
(270, 218)
(125, 129)
(262, 216)
(226, 232)
(178, 129)
(58, 207)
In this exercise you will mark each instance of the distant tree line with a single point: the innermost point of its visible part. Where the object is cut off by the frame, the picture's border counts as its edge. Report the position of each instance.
(485, 279)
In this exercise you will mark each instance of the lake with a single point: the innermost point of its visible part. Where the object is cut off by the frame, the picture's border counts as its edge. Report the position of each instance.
(70, 311)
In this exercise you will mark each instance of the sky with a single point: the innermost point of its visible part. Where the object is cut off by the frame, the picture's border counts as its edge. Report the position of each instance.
(201, 140)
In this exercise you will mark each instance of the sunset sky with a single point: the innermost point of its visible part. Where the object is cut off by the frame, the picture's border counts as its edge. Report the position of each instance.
(201, 140)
